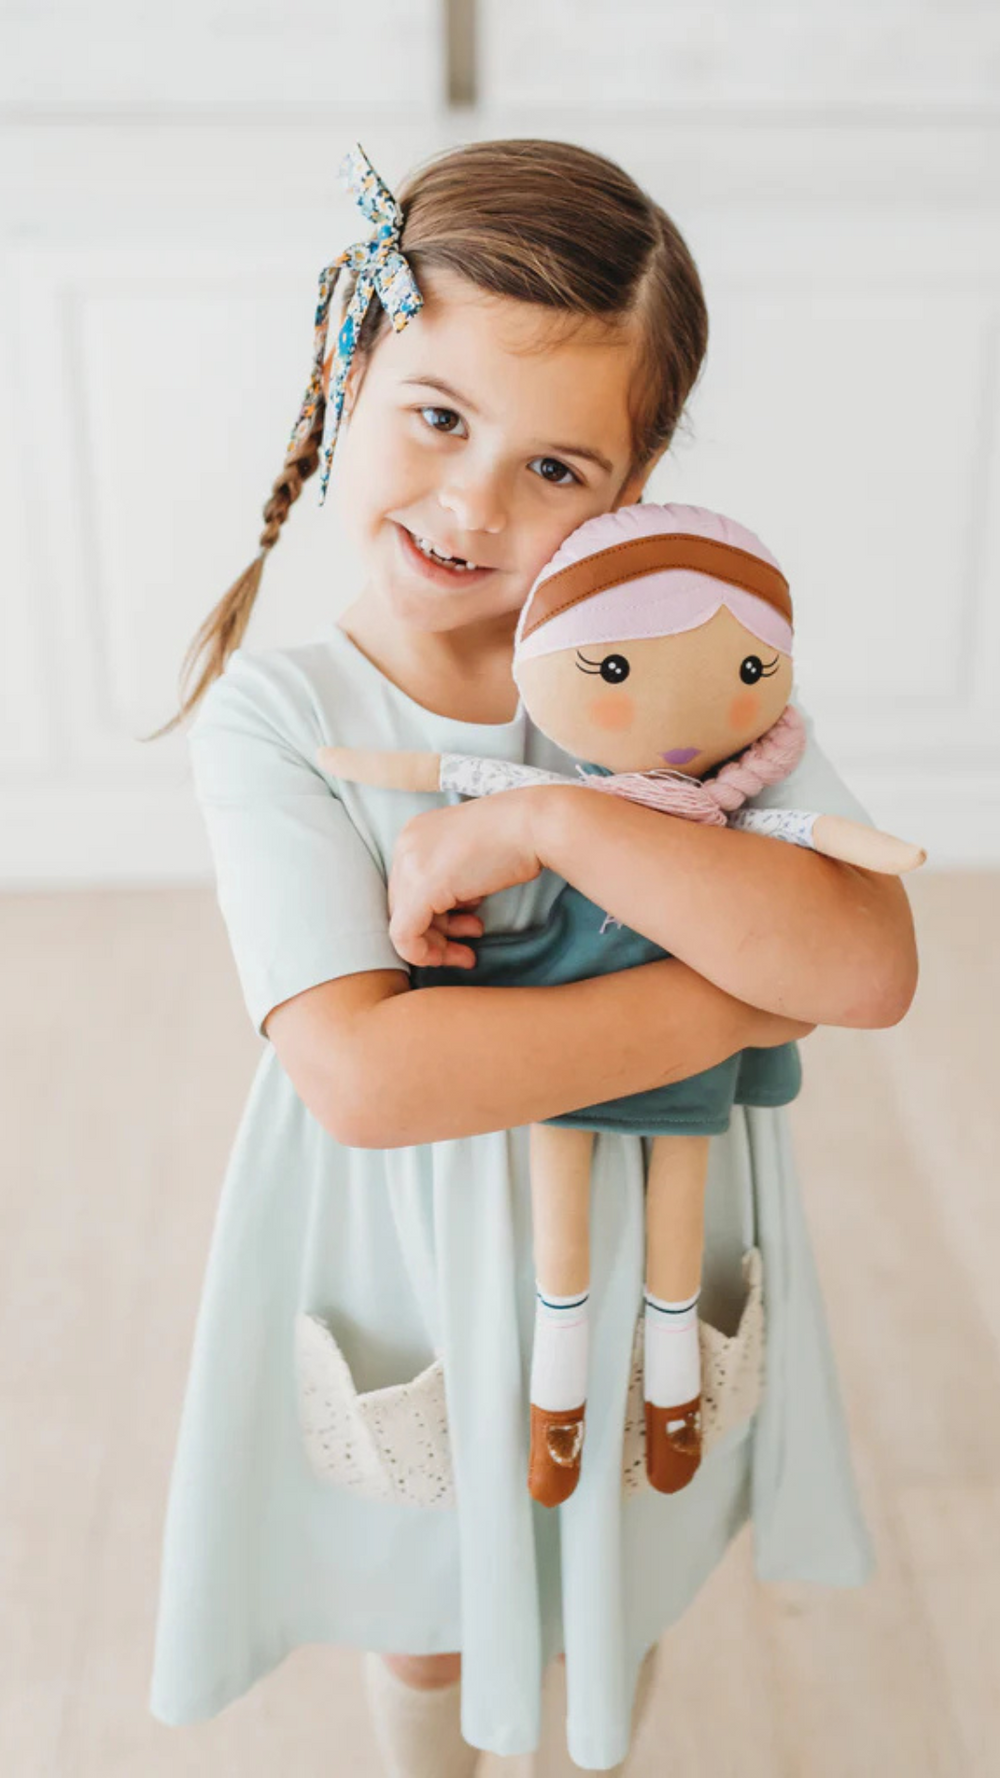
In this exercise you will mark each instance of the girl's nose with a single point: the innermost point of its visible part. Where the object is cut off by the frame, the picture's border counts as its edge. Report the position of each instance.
(475, 505)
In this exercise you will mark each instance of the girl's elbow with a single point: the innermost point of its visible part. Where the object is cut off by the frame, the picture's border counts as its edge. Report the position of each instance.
(887, 992)
(891, 969)
(898, 995)
(374, 1107)
(359, 1114)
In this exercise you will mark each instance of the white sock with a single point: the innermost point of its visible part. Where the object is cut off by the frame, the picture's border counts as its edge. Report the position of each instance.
(672, 1360)
(560, 1352)
(418, 1730)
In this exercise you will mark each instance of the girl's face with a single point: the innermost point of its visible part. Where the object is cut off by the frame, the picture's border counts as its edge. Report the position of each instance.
(686, 701)
(476, 430)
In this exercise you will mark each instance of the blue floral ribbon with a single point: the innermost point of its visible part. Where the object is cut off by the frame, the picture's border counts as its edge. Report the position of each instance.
(382, 270)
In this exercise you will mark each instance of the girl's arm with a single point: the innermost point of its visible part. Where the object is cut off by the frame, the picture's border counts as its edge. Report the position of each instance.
(382, 1066)
(777, 925)
(774, 925)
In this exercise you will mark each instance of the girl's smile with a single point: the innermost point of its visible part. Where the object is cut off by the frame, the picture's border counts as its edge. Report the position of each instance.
(438, 573)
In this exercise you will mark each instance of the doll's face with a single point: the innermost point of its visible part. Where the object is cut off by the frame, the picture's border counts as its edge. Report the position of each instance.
(686, 701)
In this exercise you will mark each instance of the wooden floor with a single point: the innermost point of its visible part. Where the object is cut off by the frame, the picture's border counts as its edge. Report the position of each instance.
(126, 1055)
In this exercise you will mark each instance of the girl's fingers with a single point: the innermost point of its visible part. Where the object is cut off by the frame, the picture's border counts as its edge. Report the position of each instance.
(434, 947)
(461, 926)
(425, 955)
(458, 957)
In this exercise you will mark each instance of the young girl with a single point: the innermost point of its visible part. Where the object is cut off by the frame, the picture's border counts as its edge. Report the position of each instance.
(379, 1181)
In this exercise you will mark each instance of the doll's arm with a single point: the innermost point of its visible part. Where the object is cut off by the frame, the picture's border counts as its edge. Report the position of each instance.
(835, 837)
(466, 773)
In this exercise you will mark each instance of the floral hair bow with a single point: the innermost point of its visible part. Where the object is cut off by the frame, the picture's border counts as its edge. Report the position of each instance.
(382, 270)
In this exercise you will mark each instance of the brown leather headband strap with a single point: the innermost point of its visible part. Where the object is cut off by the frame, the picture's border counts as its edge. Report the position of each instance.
(650, 555)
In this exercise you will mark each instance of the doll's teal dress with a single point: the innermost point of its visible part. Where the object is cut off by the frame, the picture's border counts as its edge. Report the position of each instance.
(323, 1511)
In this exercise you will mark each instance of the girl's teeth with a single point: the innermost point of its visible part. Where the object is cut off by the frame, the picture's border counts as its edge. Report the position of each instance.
(428, 549)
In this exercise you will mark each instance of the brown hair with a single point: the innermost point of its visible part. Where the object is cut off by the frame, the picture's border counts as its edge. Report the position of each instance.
(543, 222)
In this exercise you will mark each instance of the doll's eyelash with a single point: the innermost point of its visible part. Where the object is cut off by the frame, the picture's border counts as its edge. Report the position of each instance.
(591, 666)
(769, 671)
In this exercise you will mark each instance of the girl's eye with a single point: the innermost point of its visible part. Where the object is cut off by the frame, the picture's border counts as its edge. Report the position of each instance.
(561, 469)
(614, 668)
(445, 414)
(753, 668)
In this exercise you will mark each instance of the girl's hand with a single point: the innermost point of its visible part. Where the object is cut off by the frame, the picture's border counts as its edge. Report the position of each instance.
(447, 860)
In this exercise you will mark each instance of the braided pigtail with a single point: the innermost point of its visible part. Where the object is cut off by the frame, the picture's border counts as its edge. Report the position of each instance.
(225, 626)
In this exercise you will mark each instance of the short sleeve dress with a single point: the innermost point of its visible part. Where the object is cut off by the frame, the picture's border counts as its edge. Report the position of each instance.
(351, 1459)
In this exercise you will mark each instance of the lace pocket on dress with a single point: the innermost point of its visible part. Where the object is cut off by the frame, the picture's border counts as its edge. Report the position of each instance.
(392, 1444)
(386, 1444)
(732, 1375)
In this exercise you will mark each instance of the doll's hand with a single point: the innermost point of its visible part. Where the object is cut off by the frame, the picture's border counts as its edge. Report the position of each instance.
(448, 859)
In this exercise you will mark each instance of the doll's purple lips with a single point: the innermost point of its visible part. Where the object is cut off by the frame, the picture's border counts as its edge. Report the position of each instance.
(681, 756)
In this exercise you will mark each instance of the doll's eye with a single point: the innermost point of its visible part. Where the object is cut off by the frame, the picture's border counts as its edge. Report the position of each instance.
(614, 667)
(753, 668)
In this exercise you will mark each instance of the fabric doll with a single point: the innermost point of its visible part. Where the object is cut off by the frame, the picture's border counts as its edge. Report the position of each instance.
(657, 638)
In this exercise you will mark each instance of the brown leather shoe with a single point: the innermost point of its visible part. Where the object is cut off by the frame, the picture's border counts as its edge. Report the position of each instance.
(554, 1460)
(673, 1457)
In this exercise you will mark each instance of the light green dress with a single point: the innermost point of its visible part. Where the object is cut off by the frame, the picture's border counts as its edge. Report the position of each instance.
(352, 1453)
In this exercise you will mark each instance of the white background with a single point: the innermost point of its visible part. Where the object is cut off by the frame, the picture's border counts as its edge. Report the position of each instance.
(168, 193)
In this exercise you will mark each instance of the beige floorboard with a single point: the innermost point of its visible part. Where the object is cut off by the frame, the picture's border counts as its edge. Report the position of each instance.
(125, 1057)
(953, 1538)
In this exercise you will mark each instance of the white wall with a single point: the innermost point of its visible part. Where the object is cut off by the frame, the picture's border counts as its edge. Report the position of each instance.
(167, 200)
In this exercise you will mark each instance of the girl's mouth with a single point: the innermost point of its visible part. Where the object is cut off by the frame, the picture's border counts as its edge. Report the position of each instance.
(680, 756)
(443, 571)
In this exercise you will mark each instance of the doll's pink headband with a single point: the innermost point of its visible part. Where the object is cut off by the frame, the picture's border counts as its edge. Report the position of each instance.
(665, 572)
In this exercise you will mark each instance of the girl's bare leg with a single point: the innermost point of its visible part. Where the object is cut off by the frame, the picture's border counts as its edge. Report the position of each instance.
(560, 1200)
(416, 1710)
(675, 1240)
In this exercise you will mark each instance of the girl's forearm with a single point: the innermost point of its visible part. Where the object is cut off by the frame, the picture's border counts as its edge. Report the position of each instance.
(430, 1064)
(773, 924)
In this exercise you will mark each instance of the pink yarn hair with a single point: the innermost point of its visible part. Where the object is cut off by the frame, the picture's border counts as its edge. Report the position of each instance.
(766, 761)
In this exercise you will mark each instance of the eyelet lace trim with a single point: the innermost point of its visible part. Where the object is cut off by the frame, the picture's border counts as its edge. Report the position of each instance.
(392, 1444)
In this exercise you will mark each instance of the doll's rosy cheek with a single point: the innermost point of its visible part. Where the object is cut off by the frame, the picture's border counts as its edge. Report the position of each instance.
(611, 713)
(742, 710)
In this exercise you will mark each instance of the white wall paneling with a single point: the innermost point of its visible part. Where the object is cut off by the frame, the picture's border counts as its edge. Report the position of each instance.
(160, 282)
(888, 55)
(23, 712)
(111, 56)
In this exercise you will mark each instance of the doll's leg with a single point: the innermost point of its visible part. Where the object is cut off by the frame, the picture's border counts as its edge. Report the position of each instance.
(560, 1203)
(675, 1238)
